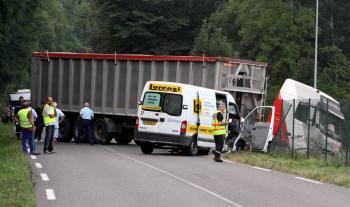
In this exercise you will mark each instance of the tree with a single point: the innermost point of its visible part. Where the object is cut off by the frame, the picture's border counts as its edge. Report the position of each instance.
(211, 42)
(150, 26)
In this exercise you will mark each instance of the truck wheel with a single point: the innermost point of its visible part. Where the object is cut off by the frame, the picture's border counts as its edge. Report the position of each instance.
(192, 149)
(66, 130)
(146, 148)
(101, 132)
(125, 137)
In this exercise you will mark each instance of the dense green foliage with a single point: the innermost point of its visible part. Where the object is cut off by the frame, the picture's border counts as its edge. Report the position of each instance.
(279, 32)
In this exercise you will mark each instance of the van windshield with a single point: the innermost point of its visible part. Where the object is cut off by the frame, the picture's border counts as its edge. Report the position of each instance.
(164, 102)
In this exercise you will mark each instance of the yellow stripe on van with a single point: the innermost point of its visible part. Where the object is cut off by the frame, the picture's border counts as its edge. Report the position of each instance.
(155, 108)
(191, 128)
(206, 130)
(165, 88)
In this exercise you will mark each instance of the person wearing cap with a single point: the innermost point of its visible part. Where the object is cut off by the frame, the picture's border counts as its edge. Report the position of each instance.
(24, 118)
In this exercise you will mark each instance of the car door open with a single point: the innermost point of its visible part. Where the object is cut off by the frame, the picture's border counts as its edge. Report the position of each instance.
(258, 126)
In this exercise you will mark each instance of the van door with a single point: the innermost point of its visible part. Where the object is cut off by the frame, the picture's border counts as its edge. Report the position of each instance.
(149, 112)
(170, 119)
(258, 126)
(208, 107)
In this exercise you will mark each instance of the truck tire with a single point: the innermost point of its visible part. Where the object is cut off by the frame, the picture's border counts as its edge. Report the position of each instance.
(192, 149)
(146, 148)
(101, 132)
(125, 137)
(66, 130)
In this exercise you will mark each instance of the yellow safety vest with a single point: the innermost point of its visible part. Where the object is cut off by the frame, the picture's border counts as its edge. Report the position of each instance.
(47, 119)
(23, 118)
(218, 130)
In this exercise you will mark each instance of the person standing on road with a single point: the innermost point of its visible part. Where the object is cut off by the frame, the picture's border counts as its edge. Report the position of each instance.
(34, 116)
(219, 131)
(86, 116)
(39, 122)
(59, 119)
(24, 118)
(49, 116)
(16, 108)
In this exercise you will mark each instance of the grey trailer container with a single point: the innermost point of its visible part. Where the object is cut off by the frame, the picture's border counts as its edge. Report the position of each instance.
(113, 83)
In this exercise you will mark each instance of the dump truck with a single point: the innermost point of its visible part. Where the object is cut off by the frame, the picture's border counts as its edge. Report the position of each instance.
(113, 83)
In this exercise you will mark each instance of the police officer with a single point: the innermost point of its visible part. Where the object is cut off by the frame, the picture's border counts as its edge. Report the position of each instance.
(219, 131)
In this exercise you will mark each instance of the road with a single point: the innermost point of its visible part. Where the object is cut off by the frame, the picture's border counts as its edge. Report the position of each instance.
(115, 175)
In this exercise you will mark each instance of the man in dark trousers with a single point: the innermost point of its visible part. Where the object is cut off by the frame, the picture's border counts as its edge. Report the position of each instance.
(16, 108)
(219, 131)
(24, 119)
(39, 122)
(49, 116)
(86, 116)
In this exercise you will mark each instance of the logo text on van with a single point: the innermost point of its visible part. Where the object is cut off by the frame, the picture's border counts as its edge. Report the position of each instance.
(165, 88)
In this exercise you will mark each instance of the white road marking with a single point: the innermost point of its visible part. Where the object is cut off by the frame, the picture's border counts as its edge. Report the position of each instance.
(50, 194)
(44, 177)
(263, 169)
(177, 178)
(33, 157)
(308, 180)
(38, 165)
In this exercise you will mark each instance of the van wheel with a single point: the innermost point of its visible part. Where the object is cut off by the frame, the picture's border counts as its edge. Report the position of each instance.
(125, 137)
(146, 148)
(100, 132)
(192, 150)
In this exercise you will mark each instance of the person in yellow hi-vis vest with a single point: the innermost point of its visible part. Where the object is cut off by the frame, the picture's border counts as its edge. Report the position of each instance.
(49, 116)
(24, 119)
(219, 130)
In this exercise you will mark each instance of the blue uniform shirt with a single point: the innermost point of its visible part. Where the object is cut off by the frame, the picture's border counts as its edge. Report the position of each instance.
(86, 113)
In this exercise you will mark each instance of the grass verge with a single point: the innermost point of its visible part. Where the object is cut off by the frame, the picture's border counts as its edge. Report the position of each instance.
(15, 181)
(331, 172)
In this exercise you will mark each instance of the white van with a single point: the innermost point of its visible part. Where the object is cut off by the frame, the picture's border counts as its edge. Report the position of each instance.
(179, 116)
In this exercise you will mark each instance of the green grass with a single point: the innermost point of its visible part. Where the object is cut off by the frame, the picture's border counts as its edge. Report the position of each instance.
(15, 181)
(331, 172)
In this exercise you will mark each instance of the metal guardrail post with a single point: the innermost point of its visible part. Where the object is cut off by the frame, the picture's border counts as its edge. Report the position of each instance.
(293, 129)
(308, 130)
(326, 152)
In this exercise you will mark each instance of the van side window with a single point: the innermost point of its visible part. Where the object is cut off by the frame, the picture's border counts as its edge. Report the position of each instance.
(172, 104)
(151, 101)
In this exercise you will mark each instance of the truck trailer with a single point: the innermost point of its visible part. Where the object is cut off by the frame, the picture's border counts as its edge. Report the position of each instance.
(113, 83)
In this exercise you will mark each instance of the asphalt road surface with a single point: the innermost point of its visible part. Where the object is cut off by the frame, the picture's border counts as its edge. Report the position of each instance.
(116, 175)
